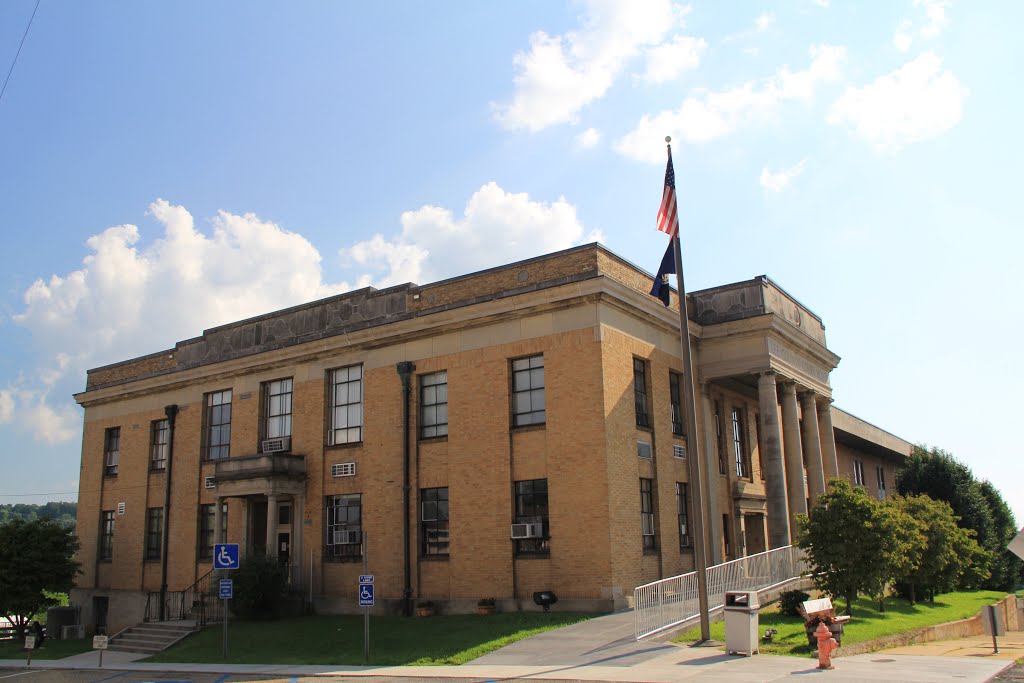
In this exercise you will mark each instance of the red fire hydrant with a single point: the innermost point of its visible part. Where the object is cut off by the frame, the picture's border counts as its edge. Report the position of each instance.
(826, 646)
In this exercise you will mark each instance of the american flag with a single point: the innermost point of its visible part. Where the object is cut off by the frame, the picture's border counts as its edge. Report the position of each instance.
(668, 219)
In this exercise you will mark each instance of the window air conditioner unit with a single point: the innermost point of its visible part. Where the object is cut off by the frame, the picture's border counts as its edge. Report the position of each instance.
(209, 482)
(343, 537)
(277, 444)
(72, 631)
(533, 530)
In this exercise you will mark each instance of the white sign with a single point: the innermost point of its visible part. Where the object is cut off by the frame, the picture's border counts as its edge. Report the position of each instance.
(1017, 545)
(99, 642)
(366, 578)
(30, 642)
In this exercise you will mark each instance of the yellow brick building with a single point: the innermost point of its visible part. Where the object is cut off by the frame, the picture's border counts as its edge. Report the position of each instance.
(492, 435)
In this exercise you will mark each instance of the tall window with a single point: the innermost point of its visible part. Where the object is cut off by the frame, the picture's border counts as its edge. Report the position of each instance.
(682, 505)
(643, 416)
(154, 532)
(647, 514)
(739, 444)
(726, 535)
(434, 405)
(858, 472)
(675, 381)
(346, 405)
(277, 408)
(218, 424)
(106, 534)
(528, 391)
(720, 437)
(532, 508)
(111, 450)
(880, 473)
(207, 520)
(344, 526)
(158, 445)
(434, 521)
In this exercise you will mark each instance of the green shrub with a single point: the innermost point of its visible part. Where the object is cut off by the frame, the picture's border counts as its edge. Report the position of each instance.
(260, 583)
(790, 601)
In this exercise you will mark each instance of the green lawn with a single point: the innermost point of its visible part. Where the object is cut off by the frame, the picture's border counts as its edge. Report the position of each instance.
(867, 622)
(53, 649)
(339, 639)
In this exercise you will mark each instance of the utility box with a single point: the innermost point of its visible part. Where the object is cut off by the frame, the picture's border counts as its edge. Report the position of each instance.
(741, 622)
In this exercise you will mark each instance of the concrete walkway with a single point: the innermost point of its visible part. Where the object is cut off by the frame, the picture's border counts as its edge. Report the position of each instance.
(603, 649)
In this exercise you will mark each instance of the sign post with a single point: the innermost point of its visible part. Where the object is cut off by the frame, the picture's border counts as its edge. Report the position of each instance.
(30, 644)
(366, 598)
(99, 643)
(225, 556)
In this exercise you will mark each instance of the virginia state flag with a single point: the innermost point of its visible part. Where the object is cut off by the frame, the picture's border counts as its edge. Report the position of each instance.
(667, 267)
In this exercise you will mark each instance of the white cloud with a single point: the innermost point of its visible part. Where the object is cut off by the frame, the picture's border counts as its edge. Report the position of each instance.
(6, 405)
(559, 75)
(777, 181)
(821, 3)
(932, 24)
(665, 62)
(588, 138)
(496, 227)
(764, 22)
(903, 38)
(710, 115)
(916, 102)
(35, 416)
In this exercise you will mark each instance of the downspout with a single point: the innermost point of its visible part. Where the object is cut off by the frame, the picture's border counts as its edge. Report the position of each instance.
(171, 412)
(405, 370)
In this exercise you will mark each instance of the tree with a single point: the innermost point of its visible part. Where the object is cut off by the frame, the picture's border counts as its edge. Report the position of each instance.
(1007, 568)
(36, 557)
(845, 539)
(948, 553)
(941, 476)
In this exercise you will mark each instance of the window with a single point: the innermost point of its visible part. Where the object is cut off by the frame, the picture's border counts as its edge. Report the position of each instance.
(880, 473)
(106, 534)
(643, 417)
(858, 473)
(532, 508)
(346, 405)
(760, 446)
(158, 445)
(434, 405)
(218, 424)
(647, 514)
(675, 381)
(154, 532)
(434, 521)
(344, 527)
(528, 391)
(719, 437)
(111, 450)
(682, 505)
(207, 520)
(726, 533)
(277, 408)
(739, 444)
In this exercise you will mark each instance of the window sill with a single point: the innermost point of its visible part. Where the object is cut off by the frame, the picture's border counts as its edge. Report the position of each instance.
(645, 428)
(434, 439)
(434, 558)
(533, 556)
(344, 560)
(105, 560)
(529, 427)
(343, 446)
(157, 470)
(110, 475)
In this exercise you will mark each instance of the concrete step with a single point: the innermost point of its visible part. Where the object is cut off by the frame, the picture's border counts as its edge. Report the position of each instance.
(150, 638)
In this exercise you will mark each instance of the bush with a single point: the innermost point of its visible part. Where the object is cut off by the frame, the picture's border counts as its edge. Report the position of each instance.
(260, 583)
(790, 601)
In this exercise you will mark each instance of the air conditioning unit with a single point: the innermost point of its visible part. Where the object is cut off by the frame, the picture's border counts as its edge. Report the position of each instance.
(343, 537)
(277, 444)
(72, 631)
(210, 482)
(532, 530)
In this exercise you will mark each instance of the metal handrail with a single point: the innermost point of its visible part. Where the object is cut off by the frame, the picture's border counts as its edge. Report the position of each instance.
(198, 602)
(660, 605)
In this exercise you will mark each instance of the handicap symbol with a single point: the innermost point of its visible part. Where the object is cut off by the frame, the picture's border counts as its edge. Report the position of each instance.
(364, 593)
(224, 558)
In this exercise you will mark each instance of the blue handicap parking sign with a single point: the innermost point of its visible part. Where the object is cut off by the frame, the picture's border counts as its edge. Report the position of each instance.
(227, 589)
(366, 595)
(225, 556)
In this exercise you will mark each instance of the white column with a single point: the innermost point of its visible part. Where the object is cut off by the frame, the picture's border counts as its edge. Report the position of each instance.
(828, 438)
(794, 454)
(812, 446)
(713, 544)
(775, 469)
(272, 525)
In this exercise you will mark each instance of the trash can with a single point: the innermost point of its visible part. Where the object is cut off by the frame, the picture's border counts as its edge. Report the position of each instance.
(741, 622)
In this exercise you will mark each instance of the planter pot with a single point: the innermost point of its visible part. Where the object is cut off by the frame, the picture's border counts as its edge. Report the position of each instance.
(424, 611)
(484, 610)
(836, 629)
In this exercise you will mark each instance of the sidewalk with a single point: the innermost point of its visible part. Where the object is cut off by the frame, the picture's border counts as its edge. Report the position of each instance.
(603, 649)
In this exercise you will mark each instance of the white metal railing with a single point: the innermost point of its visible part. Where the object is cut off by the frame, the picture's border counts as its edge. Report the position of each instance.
(668, 602)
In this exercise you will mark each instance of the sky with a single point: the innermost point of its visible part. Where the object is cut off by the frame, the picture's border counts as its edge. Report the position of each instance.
(170, 167)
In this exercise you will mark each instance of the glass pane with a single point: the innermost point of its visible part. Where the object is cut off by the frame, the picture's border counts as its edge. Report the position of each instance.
(536, 378)
(355, 415)
(521, 364)
(442, 393)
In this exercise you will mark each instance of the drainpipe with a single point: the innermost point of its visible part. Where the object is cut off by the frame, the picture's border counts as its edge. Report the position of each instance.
(171, 412)
(405, 370)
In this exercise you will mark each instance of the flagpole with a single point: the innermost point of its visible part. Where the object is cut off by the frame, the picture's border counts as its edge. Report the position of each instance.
(692, 447)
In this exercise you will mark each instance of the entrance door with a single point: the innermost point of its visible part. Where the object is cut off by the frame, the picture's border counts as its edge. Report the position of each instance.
(100, 605)
(258, 522)
(754, 525)
(283, 546)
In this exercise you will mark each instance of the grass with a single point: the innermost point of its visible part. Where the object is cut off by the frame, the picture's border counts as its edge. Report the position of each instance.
(454, 639)
(867, 622)
(53, 649)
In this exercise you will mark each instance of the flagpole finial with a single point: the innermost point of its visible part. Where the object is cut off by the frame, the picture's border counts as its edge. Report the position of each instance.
(668, 139)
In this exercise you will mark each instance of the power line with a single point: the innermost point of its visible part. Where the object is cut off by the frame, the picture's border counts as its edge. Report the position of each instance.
(16, 54)
(27, 495)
